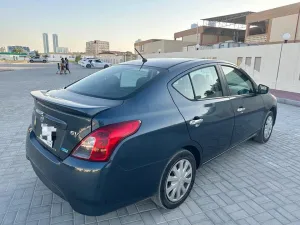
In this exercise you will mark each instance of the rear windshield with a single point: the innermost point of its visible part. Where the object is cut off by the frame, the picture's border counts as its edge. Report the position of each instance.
(116, 82)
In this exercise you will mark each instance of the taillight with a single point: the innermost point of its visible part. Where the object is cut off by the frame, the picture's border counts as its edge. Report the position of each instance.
(99, 145)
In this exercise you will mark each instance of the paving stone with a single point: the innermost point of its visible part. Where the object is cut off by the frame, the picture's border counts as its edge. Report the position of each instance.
(250, 184)
(263, 217)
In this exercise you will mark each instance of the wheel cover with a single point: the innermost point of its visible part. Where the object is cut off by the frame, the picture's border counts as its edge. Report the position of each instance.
(268, 127)
(179, 180)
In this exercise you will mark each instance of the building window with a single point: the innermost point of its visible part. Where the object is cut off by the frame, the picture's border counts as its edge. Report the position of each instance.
(239, 61)
(248, 61)
(257, 63)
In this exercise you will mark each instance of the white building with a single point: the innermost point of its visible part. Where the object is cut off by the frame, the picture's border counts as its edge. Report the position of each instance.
(95, 47)
(62, 50)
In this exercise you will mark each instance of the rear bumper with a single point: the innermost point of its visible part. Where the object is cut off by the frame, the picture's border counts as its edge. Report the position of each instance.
(77, 181)
(91, 188)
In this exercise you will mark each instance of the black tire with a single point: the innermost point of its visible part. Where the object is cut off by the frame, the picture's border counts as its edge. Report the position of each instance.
(44, 61)
(160, 197)
(106, 66)
(88, 66)
(260, 138)
(31, 61)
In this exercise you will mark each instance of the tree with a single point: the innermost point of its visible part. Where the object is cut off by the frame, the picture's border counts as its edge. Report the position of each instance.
(18, 50)
(37, 53)
(77, 58)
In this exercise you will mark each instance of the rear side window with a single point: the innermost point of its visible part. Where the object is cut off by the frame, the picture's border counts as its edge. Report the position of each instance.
(206, 83)
(184, 87)
(115, 82)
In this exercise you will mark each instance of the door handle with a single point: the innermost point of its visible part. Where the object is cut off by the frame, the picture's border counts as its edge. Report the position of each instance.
(196, 122)
(241, 109)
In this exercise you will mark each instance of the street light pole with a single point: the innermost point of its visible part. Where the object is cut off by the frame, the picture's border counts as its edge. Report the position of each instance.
(285, 38)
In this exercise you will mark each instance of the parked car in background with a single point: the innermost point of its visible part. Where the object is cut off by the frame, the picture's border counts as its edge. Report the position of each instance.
(82, 61)
(38, 59)
(95, 63)
(141, 129)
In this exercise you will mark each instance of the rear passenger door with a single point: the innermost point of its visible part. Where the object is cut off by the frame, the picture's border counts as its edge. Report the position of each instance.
(247, 105)
(201, 98)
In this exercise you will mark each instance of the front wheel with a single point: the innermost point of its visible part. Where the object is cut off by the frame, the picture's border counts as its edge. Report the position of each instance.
(266, 130)
(106, 66)
(88, 66)
(44, 61)
(177, 180)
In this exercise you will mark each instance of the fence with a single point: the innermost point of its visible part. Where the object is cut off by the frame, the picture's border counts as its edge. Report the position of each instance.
(277, 66)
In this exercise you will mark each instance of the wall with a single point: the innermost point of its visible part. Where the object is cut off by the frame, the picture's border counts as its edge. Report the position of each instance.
(259, 38)
(175, 46)
(224, 38)
(281, 25)
(209, 39)
(191, 38)
(289, 69)
(153, 47)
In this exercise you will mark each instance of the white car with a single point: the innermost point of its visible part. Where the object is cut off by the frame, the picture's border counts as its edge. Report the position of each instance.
(82, 62)
(95, 63)
(38, 59)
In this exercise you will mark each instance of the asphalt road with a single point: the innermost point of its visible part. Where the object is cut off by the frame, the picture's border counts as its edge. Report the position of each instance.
(250, 184)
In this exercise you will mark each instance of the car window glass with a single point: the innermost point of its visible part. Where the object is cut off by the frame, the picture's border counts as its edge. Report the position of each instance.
(206, 83)
(115, 82)
(238, 82)
(184, 86)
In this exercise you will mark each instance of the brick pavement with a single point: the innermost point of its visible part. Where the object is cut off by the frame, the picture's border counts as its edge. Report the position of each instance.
(251, 184)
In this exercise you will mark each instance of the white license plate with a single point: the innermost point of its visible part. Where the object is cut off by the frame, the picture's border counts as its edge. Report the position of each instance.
(46, 135)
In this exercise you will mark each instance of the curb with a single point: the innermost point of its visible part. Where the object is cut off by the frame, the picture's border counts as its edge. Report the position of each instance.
(288, 102)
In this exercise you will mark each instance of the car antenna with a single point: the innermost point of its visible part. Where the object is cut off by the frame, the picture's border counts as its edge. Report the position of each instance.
(143, 59)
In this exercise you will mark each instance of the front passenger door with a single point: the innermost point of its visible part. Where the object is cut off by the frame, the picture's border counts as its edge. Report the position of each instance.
(247, 105)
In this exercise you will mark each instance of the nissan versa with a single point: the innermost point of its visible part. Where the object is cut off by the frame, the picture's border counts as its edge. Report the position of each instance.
(141, 129)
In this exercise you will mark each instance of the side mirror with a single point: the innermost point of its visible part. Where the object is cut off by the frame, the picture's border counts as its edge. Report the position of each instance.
(262, 89)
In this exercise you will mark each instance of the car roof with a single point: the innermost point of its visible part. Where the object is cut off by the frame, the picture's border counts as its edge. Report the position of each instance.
(167, 63)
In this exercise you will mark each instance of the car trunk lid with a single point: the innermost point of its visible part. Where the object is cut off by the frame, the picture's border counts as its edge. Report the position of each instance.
(61, 119)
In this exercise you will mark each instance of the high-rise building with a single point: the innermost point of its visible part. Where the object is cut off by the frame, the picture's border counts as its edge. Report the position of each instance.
(55, 42)
(96, 47)
(46, 43)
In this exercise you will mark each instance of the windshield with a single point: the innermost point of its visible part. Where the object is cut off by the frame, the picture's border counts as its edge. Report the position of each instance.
(116, 82)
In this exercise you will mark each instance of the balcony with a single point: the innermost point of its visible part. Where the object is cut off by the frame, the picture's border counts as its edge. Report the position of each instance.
(258, 38)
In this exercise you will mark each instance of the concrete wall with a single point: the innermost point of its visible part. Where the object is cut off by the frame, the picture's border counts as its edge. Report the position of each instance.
(153, 47)
(281, 25)
(289, 69)
(191, 38)
(11, 57)
(175, 46)
(224, 38)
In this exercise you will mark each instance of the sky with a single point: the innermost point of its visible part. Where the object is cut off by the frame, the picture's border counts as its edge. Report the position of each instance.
(118, 21)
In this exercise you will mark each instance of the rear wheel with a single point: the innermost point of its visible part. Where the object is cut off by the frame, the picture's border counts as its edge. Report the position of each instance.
(105, 66)
(44, 61)
(88, 66)
(266, 130)
(177, 180)
(31, 61)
